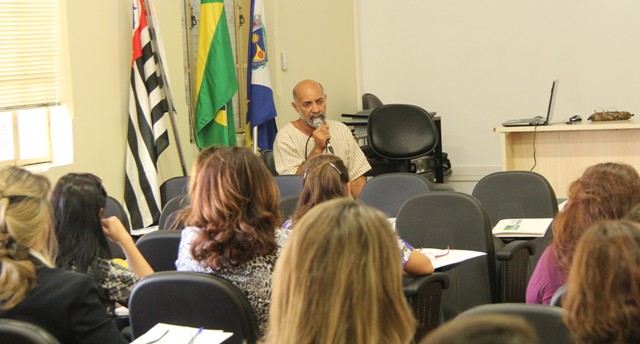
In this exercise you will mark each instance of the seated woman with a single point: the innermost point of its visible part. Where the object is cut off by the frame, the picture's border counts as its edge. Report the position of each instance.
(325, 178)
(231, 223)
(604, 191)
(339, 280)
(64, 303)
(603, 288)
(78, 201)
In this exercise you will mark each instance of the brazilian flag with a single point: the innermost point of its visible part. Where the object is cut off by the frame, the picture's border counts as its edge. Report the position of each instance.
(216, 80)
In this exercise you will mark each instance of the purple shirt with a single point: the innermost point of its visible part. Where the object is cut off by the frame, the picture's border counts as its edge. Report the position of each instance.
(546, 278)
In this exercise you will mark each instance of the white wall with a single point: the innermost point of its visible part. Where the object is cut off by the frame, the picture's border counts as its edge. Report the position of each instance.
(475, 62)
(318, 38)
(479, 62)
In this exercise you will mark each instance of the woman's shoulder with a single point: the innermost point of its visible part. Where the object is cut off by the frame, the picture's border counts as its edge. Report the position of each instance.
(72, 281)
(281, 236)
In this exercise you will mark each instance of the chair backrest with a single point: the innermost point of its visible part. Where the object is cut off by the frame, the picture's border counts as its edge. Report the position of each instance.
(387, 192)
(160, 249)
(288, 205)
(170, 211)
(22, 332)
(267, 157)
(289, 184)
(173, 187)
(546, 320)
(115, 208)
(370, 101)
(401, 132)
(456, 220)
(191, 299)
(518, 194)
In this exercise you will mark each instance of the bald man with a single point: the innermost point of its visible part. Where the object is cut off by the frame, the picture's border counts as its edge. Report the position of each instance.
(311, 133)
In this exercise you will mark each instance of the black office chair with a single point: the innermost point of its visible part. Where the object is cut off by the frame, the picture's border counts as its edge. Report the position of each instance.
(546, 320)
(160, 249)
(170, 212)
(518, 194)
(173, 187)
(192, 299)
(115, 208)
(370, 101)
(22, 332)
(398, 133)
(458, 221)
(290, 184)
(267, 158)
(387, 192)
(424, 294)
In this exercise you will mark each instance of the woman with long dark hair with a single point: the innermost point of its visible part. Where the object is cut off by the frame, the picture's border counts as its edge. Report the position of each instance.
(78, 202)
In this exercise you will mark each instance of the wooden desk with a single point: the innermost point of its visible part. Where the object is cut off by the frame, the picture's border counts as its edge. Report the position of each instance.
(562, 152)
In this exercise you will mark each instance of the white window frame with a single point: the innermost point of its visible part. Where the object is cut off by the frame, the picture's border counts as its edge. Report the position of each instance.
(30, 70)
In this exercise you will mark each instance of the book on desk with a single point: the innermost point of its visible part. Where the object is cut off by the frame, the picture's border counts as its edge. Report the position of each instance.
(521, 228)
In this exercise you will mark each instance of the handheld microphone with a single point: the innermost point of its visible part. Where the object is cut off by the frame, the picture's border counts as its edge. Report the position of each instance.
(318, 122)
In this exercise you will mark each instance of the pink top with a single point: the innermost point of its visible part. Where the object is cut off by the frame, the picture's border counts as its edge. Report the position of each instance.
(546, 278)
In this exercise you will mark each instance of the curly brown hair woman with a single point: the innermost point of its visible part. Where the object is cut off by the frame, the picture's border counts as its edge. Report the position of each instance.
(231, 223)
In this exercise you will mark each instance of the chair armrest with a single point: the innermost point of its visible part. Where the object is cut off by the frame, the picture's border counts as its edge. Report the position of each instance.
(413, 287)
(424, 294)
(513, 266)
(507, 252)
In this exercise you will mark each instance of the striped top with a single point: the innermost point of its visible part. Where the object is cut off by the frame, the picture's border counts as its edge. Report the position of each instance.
(289, 149)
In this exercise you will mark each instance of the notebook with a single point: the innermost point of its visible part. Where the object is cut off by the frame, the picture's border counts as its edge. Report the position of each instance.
(538, 120)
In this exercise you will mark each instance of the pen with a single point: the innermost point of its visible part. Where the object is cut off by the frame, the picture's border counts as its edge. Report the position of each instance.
(195, 335)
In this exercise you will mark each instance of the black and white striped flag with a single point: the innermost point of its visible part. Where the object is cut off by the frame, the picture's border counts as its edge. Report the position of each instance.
(147, 135)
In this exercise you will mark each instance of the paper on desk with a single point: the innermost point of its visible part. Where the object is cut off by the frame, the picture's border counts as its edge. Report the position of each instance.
(180, 334)
(440, 258)
(143, 231)
(122, 311)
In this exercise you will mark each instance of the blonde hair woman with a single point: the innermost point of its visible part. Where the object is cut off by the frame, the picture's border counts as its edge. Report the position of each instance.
(64, 303)
(339, 280)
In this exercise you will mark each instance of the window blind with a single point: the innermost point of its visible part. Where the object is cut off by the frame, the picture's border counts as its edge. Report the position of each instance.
(29, 62)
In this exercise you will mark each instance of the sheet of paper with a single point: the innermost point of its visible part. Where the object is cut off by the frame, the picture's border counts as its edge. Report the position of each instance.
(143, 231)
(440, 257)
(166, 334)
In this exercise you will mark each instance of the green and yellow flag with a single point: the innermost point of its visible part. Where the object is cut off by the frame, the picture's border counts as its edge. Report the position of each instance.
(216, 80)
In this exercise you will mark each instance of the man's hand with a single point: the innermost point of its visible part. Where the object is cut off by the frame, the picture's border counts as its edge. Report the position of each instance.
(320, 137)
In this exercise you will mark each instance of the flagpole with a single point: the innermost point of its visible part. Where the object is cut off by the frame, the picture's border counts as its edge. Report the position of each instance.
(167, 89)
(255, 140)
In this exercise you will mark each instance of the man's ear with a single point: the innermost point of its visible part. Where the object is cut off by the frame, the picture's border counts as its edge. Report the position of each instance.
(295, 106)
